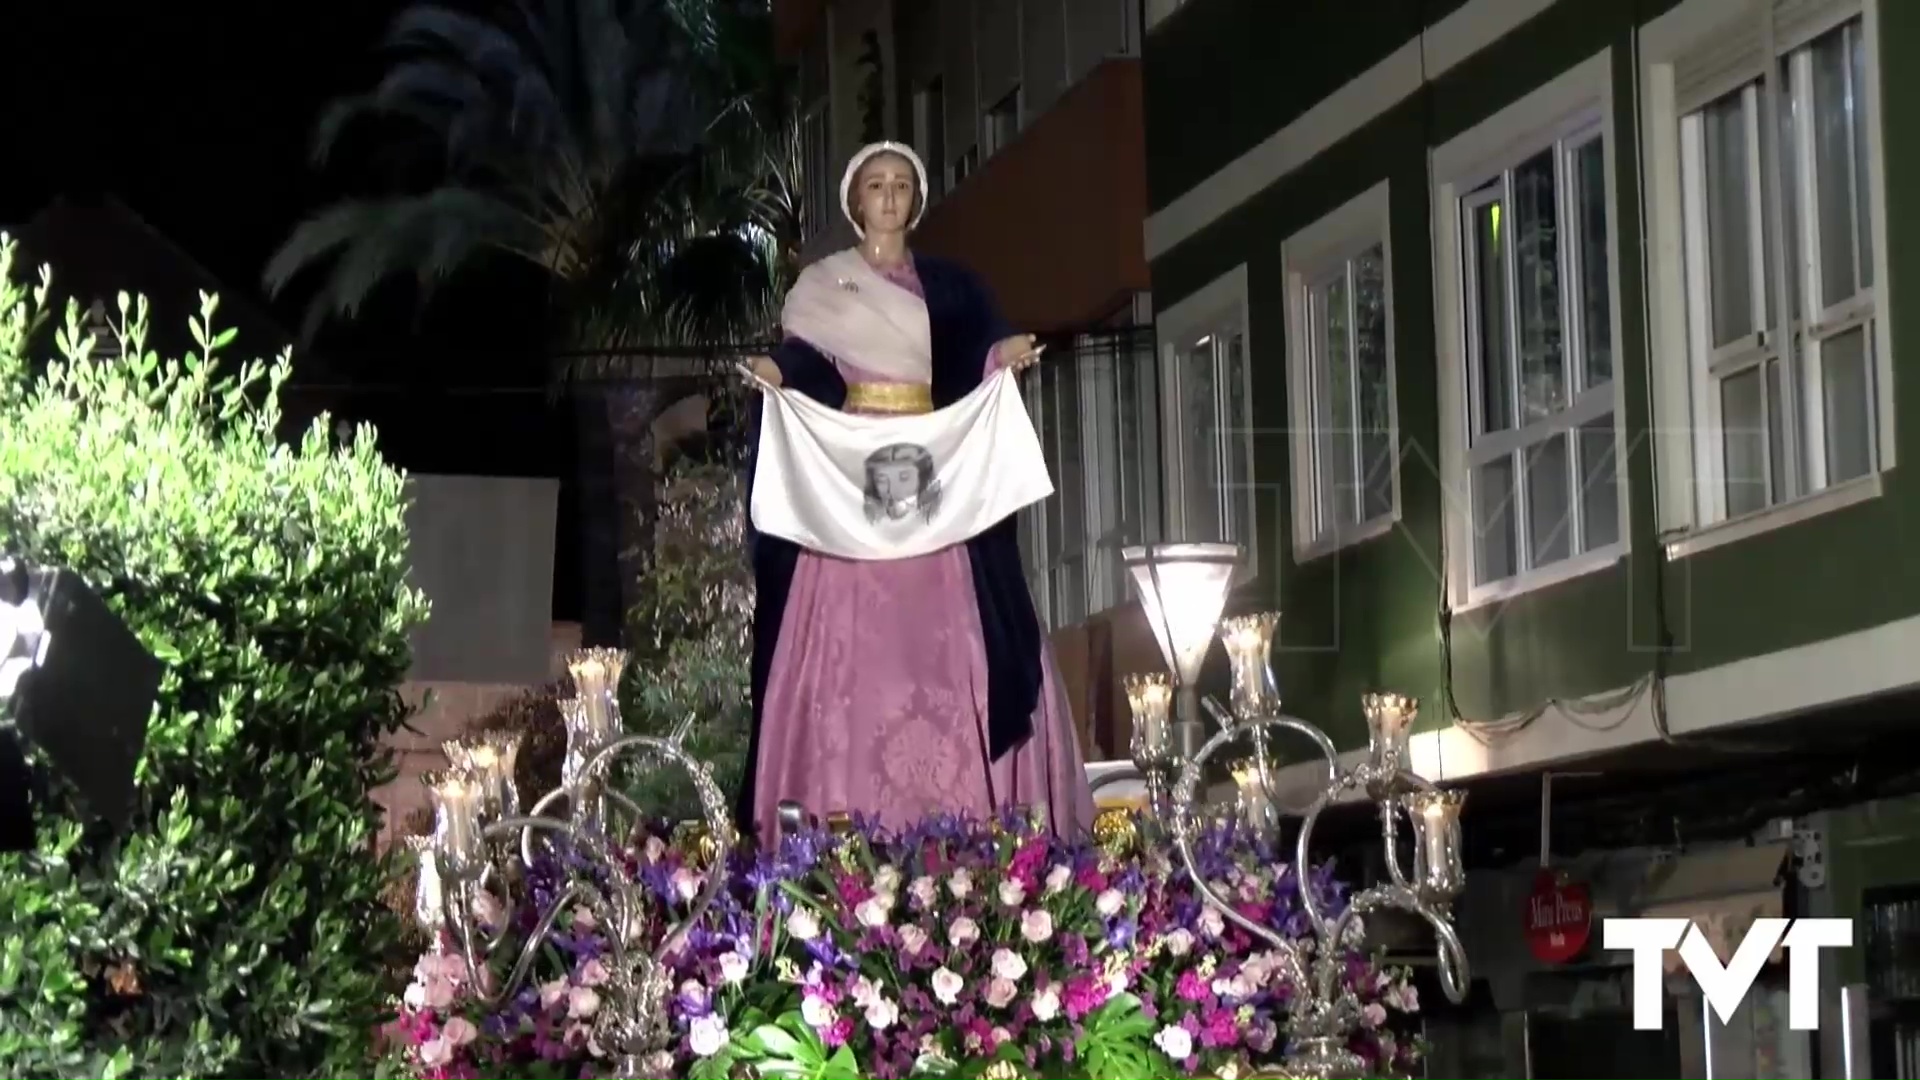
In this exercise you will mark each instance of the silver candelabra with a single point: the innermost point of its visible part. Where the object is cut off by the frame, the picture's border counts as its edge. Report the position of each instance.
(1324, 1013)
(482, 845)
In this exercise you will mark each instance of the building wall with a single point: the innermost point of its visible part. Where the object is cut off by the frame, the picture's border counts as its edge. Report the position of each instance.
(1230, 186)
(1065, 175)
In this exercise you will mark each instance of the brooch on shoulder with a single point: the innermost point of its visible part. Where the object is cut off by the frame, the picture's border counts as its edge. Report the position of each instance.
(849, 285)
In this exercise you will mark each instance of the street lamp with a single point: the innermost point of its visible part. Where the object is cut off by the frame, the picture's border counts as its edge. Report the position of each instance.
(1183, 588)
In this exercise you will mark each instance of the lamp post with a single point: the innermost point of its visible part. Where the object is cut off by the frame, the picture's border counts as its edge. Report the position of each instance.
(1183, 588)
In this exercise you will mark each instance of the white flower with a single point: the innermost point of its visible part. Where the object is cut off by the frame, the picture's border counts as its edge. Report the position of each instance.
(593, 973)
(1046, 1004)
(803, 925)
(1373, 1015)
(960, 883)
(656, 849)
(582, 1002)
(882, 1012)
(912, 939)
(433, 993)
(459, 1031)
(1008, 964)
(1109, 903)
(963, 932)
(923, 891)
(872, 911)
(435, 1051)
(816, 1012)
(553, 993)
(886, 880)
(1179, 942)
(707, 1035)
(862, 990)
(686, 884)
(1404, 996)
(1229, 1071)
(1174, 1042)
(1057, 879)
(1212, 923)
(947, 986)
(1001, 992)
(733, 967)
(487, 909)
(1012, 893)
(1036, 926)
(1235, 988)
(694, 993)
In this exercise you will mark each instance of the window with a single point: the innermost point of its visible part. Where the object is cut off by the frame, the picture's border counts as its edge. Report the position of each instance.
(1094, 410)
(964, 165)
(1003, 122)
(1779, 274)
(1527, 319)
(1160, 9)
(816, 149)
(930, 133)
(1340, 377)
(1209, 430)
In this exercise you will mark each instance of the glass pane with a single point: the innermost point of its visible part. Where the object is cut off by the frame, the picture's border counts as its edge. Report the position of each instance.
(1375, 386)
(1200, 472)
(1599, 485)
(1489, 315)
(1847, 388)
(1777, 413)
(1590, 205)
(1495, 542)
(1536, 232)
(1744, 428)
(1236, 482)
(1862, 136)
(1549, 522)
(1833, 127)
(1333, 404)
(1728, 205)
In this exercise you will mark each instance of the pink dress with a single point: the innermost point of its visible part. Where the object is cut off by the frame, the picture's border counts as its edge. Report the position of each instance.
(877, 699)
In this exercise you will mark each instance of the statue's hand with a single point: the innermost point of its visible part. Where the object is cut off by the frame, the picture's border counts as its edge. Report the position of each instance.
(764, 371)
(1019, 352)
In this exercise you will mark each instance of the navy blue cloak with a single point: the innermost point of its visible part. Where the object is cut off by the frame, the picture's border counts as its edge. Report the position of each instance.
(966, 324)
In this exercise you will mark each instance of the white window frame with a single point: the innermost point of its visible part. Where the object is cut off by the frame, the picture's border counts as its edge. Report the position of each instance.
(1309, 256)
(1218, 305)
(1690, 490)
(1580, 99)
(816, 122)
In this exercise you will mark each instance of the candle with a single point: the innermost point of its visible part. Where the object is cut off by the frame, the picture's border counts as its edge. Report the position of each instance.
(456, 823)
(596, 677)
(428, 906)
(1150, 697)
(1389, 725)
(1438, 870)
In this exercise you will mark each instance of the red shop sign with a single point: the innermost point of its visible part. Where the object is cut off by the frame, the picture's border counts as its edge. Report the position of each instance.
(1559, 918)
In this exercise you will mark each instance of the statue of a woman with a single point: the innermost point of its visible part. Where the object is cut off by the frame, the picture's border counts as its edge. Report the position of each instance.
(900, 687)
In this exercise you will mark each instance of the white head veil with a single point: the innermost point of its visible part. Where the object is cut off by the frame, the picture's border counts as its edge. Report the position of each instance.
(865, 154)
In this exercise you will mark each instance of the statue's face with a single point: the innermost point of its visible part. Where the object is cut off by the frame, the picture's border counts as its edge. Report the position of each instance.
(884, 194)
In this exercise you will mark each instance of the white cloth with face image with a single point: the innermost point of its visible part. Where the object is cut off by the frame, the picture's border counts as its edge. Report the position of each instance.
(894, 487)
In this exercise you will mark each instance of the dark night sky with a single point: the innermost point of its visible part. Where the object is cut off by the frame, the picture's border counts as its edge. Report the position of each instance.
(197, 114)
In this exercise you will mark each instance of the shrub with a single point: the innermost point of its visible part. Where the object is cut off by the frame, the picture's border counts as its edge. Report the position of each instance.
(237, 928)
(691, 637)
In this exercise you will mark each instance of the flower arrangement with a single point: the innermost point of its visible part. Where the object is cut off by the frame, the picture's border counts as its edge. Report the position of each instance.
(955, 948)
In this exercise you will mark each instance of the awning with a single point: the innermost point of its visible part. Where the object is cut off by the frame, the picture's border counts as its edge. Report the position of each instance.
(1722, 892)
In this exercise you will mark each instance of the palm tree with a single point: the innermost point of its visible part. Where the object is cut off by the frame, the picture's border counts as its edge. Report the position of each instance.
(642, 154)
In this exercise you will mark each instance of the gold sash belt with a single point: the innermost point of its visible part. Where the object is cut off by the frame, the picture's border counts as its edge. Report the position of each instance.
(898, 399)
